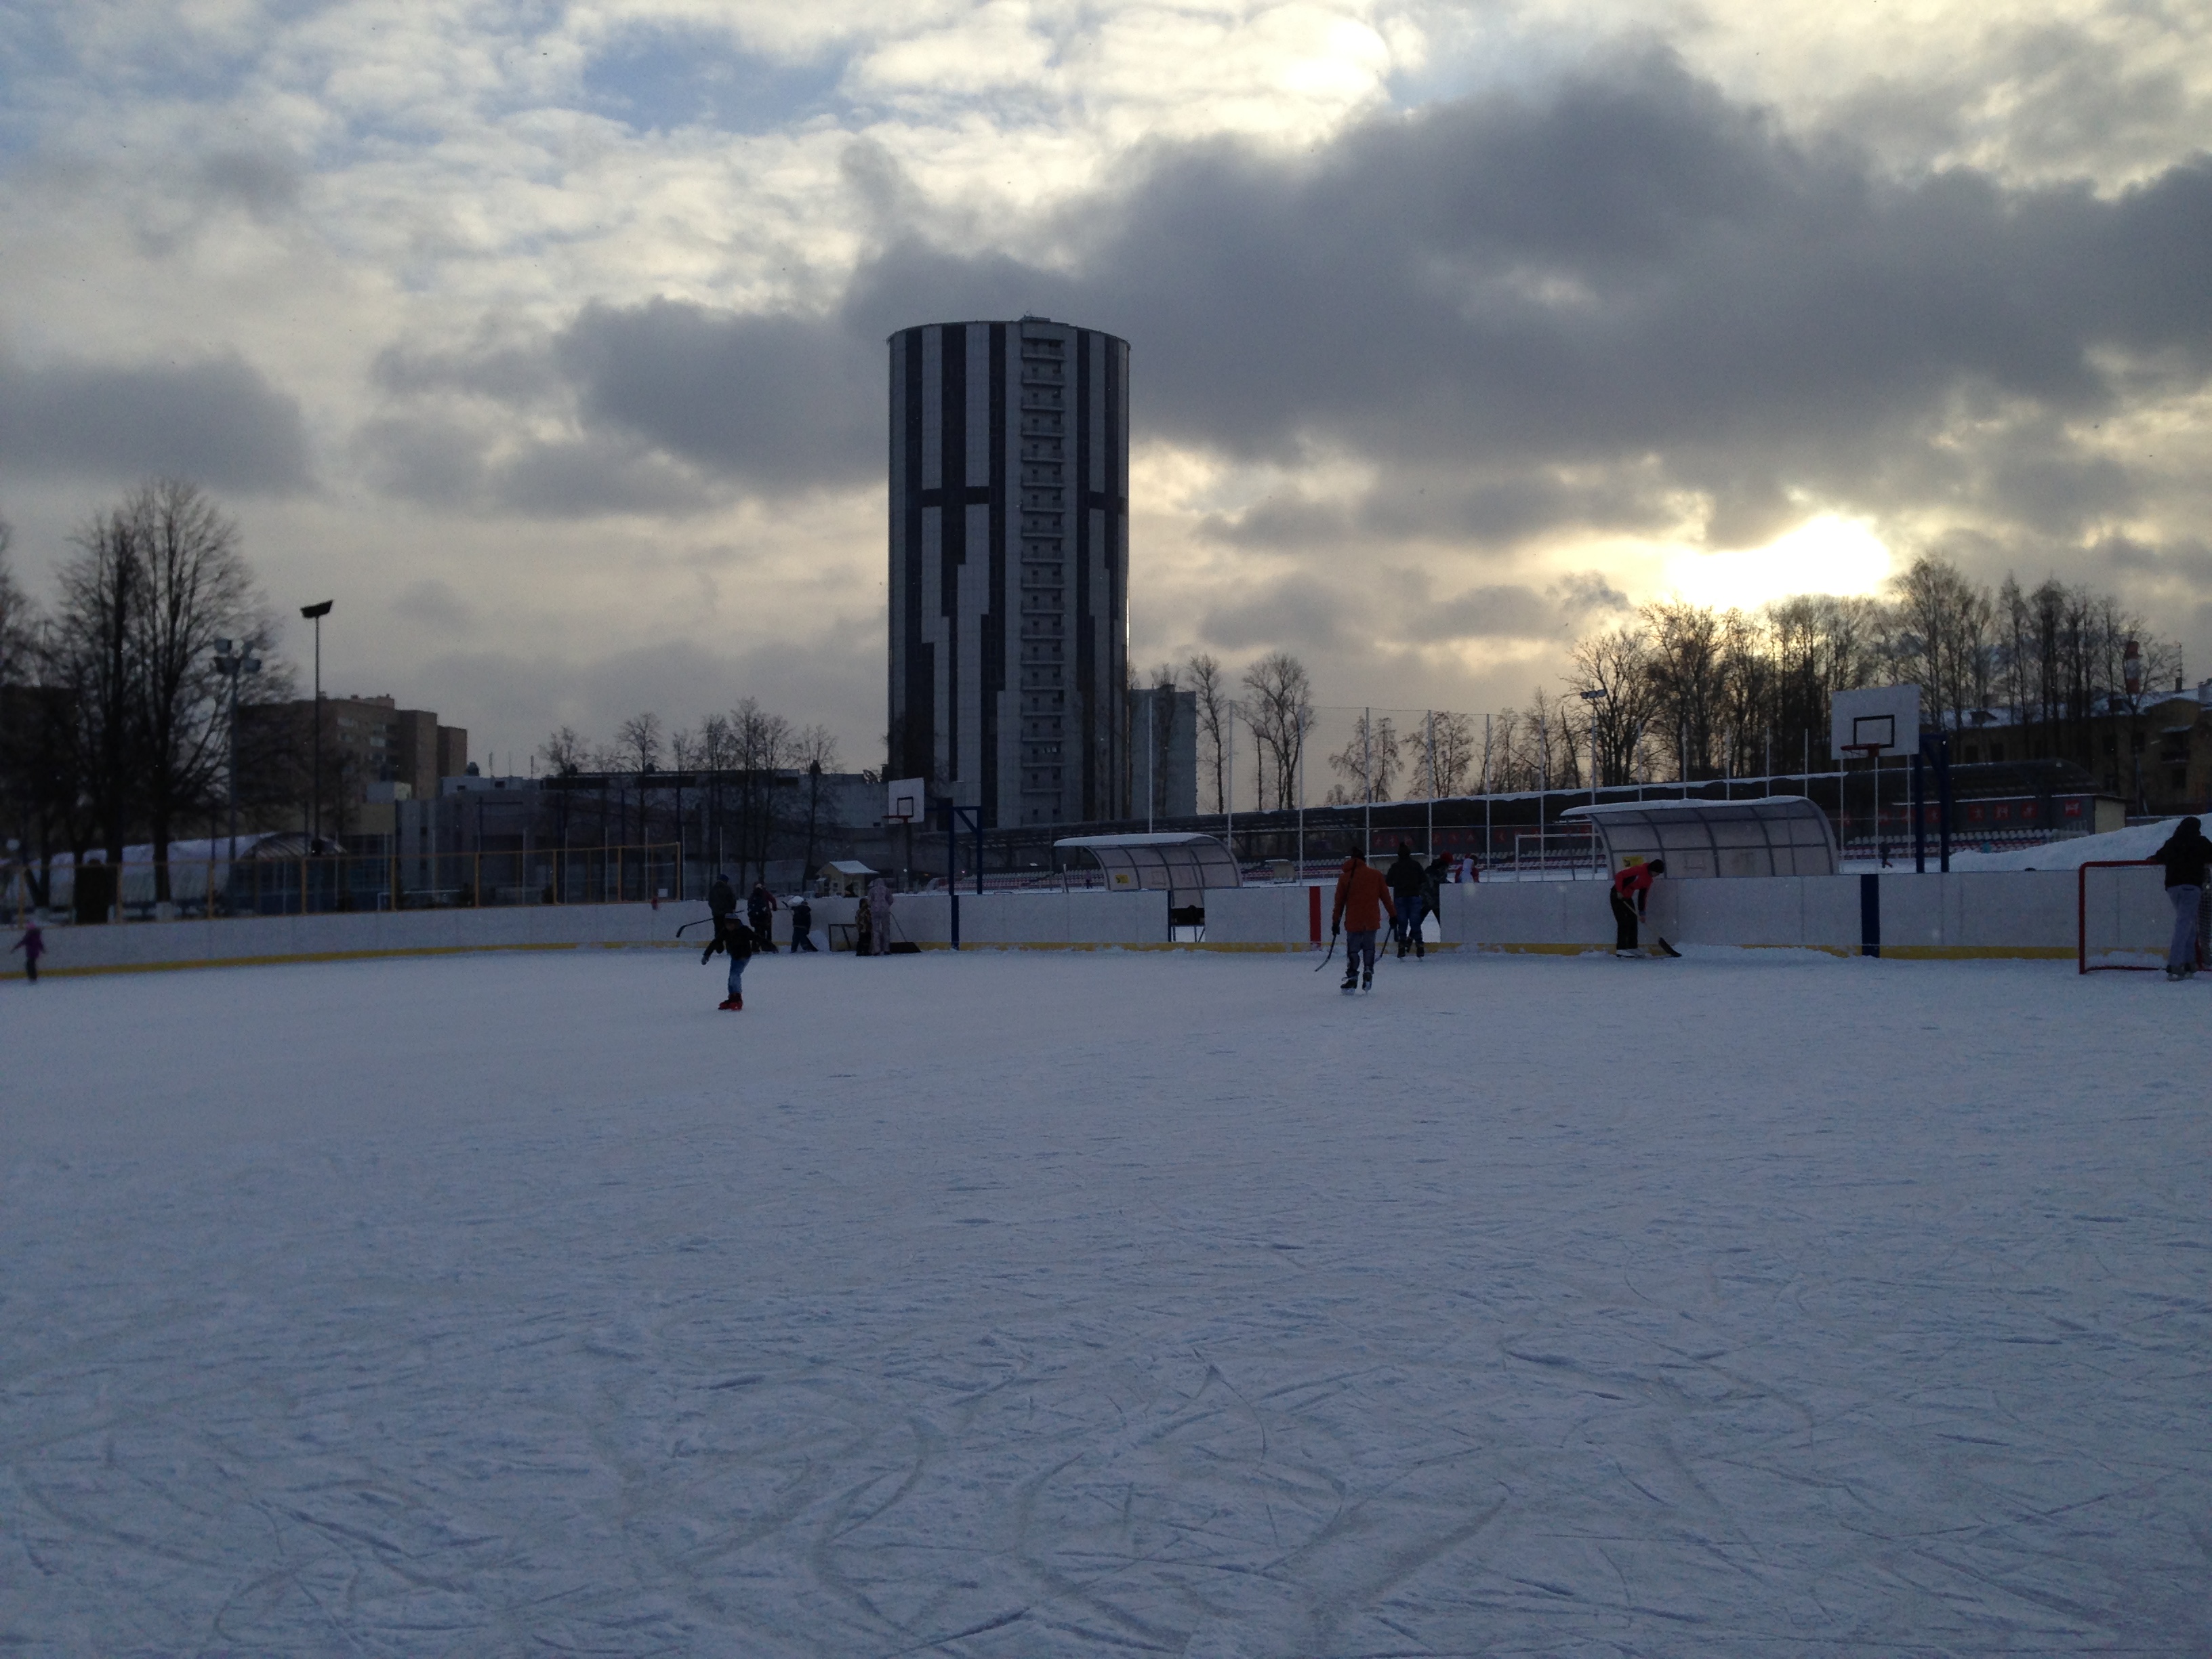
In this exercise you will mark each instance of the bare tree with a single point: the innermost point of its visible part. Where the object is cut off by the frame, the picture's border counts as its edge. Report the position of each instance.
(1455, 752)
(814, 749)
(196, 588)
(1280, 713)
(565, 753)
(1615, 666)
(1209, 688)
(638, 739)
(1368, 763)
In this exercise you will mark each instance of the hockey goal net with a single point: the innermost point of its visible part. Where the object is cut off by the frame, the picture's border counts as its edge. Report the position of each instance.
(2123, 918)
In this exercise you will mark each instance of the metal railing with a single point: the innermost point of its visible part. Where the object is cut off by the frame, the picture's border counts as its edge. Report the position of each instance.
(337, 882)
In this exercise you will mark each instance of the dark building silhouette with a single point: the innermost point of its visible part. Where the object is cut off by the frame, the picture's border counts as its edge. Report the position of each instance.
(1010, 567)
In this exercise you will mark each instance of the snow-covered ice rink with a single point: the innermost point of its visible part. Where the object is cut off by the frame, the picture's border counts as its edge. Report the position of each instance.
(1039, 1303)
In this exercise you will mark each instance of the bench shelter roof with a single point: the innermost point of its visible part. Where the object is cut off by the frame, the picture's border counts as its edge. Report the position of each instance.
(1771, 835)
(1177, 864)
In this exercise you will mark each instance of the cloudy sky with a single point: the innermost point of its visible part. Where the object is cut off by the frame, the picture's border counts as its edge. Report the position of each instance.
(547, 338)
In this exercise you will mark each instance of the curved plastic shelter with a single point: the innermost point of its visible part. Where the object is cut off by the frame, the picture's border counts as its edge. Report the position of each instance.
(1772, 836)
(1182, 865)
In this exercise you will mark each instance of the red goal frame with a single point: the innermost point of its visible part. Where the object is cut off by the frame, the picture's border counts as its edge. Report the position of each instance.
(2082, 921)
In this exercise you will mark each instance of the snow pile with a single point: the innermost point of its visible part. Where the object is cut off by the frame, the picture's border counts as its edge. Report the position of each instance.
(1018, 1305)
(2137, 840)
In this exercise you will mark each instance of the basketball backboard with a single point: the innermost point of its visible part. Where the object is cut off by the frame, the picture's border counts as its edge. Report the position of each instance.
(910, 801)
(1887, 715)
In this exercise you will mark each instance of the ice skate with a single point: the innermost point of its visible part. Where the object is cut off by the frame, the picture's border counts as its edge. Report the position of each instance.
(1351, 979)
(1366, 981)
(732, 1005)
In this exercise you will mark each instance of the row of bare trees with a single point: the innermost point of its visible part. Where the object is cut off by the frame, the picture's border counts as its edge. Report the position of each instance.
(760, 776)
(114, 715)
(1682, 690)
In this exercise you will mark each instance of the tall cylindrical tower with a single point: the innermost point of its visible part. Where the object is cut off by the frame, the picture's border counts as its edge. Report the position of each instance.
(1010, 567)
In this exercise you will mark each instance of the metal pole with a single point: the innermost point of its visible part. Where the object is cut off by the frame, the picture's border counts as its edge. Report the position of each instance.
(1367, 774)
(1943, 800)
(1919, 819)
(1229, 789)
(1432, 786)
(1487, 843)
(315, 782)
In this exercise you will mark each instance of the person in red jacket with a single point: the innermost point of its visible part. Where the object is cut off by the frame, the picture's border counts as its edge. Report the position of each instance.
(1362, 900)
(1631, 893)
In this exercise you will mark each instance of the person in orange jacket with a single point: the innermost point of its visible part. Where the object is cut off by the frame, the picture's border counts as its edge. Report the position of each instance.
(1631, 894)
(1362, 900)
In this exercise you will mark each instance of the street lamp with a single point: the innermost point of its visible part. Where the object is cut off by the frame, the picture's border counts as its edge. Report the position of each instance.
(315, 613)
(1594, 696)
(231, 661)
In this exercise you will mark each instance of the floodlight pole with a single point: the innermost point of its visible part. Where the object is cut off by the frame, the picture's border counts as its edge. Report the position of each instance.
(315, 613)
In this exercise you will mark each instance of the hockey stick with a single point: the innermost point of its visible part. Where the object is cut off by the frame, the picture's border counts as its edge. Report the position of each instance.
(702, 922)
(1332, 951)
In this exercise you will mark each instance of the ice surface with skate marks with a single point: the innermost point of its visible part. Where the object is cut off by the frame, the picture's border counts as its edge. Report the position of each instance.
(1101, 1303)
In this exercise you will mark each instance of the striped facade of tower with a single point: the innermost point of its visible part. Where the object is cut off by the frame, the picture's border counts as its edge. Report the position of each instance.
(1010, 567)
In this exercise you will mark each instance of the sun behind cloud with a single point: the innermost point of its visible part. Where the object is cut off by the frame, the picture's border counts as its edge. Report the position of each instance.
(1828, 553)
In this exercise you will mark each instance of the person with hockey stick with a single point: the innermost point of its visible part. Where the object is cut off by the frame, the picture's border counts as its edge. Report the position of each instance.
(734, 938)
(1631, 895)
(721, 900)
(1362, 900)
(2185, 854)
(1406, 880)
(760, 911)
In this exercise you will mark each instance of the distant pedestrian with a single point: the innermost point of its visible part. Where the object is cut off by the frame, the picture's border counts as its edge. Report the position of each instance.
(760, 911)
(802, 924)
(1362, 900)
(1631, 895)
(880, 913)
(2185, 856)
(33, 944)
(1408, 882)
(864, 930)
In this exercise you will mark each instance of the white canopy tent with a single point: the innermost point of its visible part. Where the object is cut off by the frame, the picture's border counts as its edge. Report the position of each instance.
(1772, 836)
(1182, 865)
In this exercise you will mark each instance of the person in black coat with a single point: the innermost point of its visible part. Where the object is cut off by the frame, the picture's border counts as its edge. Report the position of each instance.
(2185, 856)
(1409, 885)
(802, 924)
(721, 903)
(760, 908)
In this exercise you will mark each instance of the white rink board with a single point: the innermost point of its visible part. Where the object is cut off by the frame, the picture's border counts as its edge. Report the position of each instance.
(1103, 1302)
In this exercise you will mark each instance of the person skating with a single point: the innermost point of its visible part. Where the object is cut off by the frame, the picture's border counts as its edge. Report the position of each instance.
(802, 925)
(1632, 895)
(1407, 879)
(760, 911)
(33, 944)
(1362, 900)
(721, 899)
(735, 940)
(2185, 854)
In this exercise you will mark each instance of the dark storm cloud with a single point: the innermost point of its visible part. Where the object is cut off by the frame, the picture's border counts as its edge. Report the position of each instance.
(215, 420)
(766, 398)
(1582, 304)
